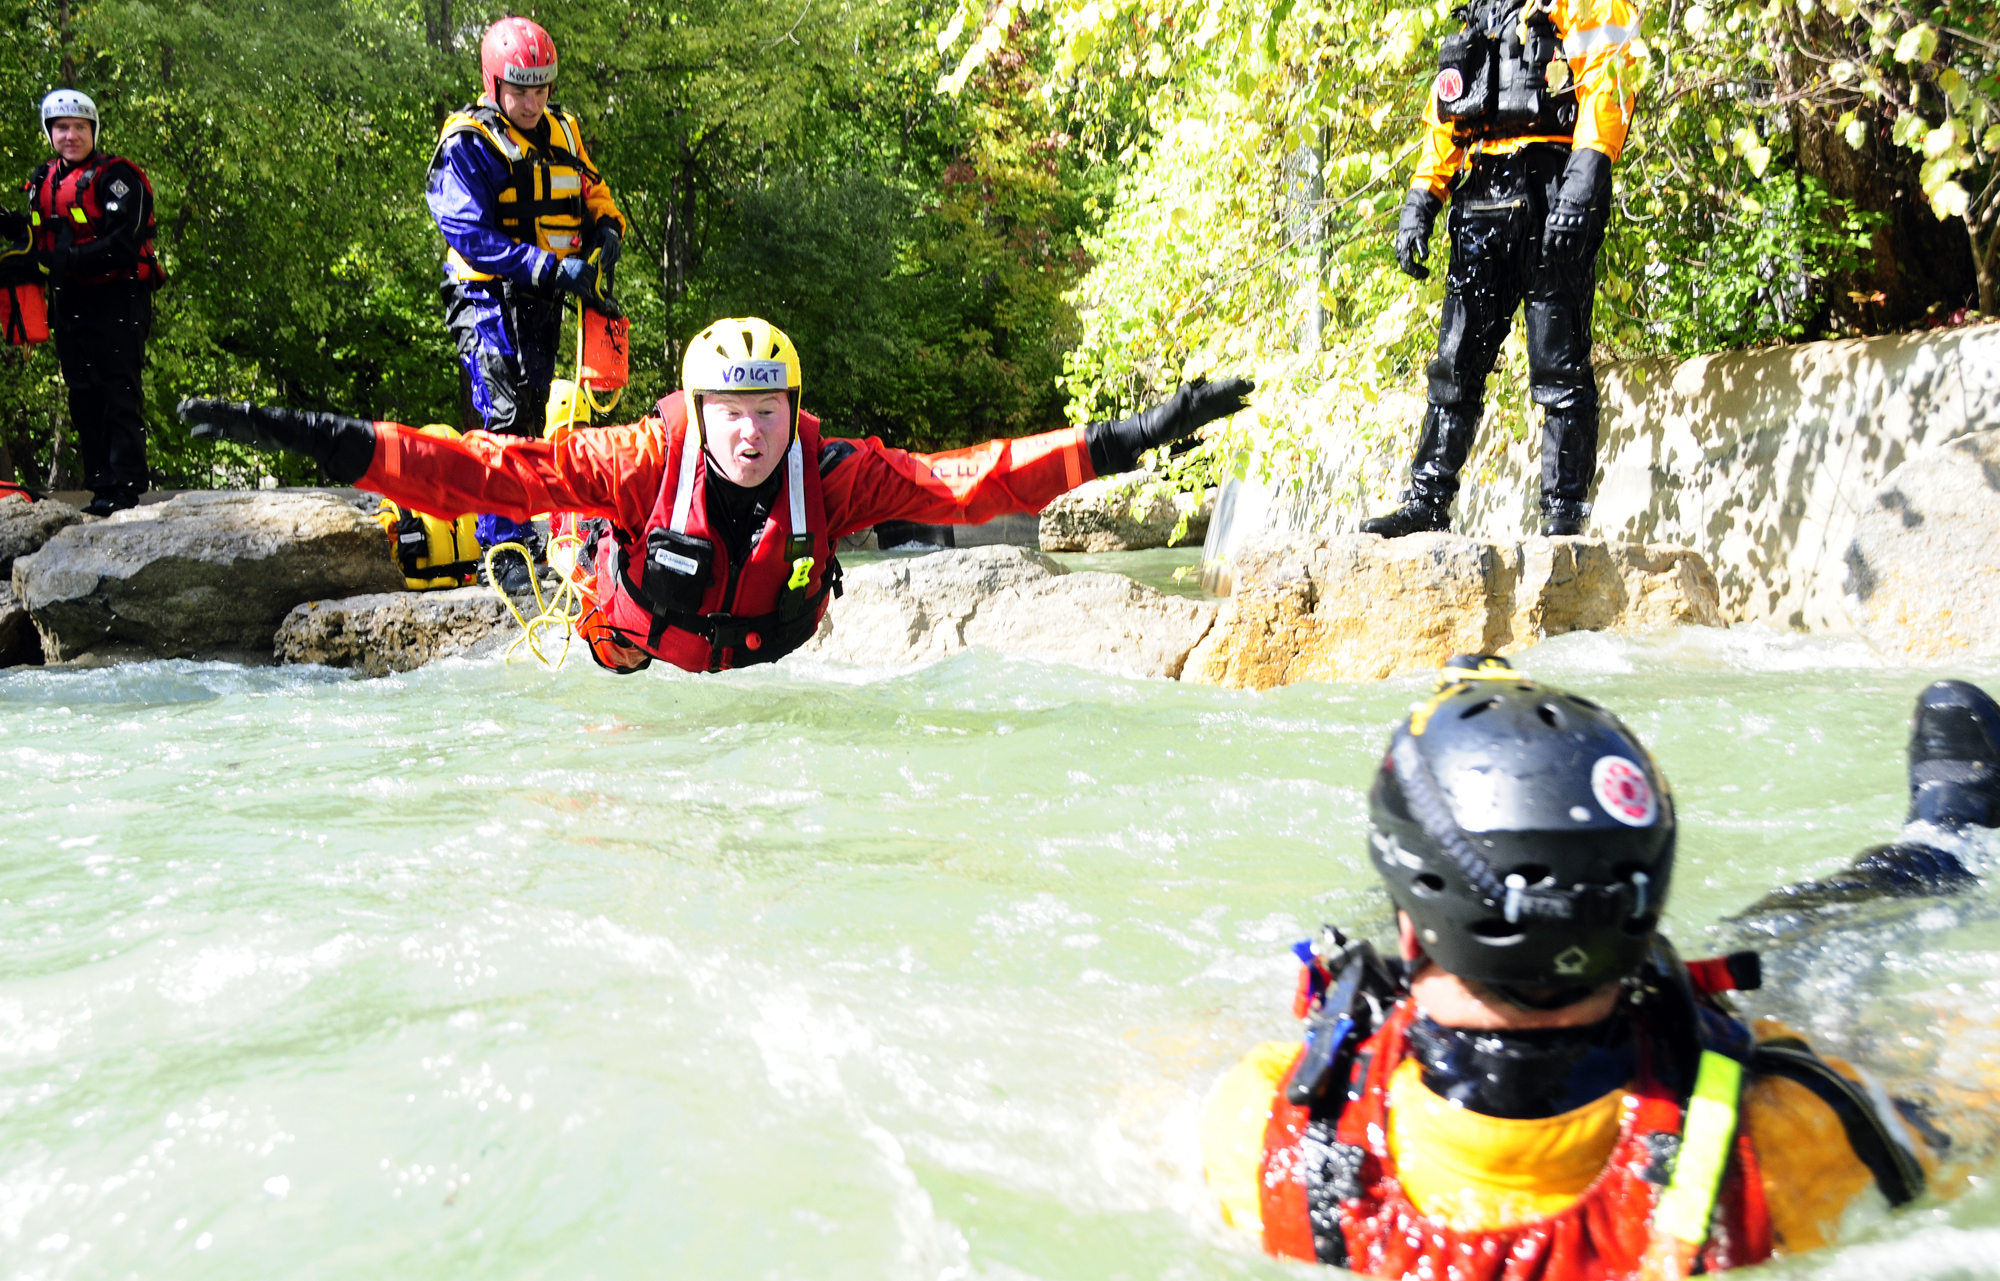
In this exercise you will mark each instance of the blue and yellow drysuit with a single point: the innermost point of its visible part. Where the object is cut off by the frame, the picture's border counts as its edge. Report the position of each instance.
(511, 206)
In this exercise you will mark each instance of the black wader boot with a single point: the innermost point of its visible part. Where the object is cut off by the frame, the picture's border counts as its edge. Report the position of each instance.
(1569, 461)
(1441, 453)
(1954, 785)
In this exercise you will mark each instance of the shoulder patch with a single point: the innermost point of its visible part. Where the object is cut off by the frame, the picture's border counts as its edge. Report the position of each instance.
(833, 453)
(119, 186)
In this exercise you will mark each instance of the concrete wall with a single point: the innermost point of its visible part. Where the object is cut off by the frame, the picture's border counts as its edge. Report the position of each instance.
(1760, 460)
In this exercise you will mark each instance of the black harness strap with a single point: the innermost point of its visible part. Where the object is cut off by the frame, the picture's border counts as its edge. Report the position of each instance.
(779, 632)
(1895, 1169)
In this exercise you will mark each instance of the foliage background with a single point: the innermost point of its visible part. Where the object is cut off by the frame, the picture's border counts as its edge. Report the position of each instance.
(788, 158)
(983, 217)
(1797, 169)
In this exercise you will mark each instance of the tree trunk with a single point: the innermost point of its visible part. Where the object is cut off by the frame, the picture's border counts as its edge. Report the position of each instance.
(64, 37)
(1915, 264)
(1983, 256)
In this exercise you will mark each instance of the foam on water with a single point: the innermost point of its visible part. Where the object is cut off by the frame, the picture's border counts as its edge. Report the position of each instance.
(814, 971)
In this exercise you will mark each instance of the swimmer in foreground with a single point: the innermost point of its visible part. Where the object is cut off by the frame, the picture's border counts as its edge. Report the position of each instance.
(718, 513)
(1536, 1087)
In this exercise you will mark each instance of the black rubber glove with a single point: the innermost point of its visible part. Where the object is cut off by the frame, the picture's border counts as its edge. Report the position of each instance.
(13, 224)
(610, 247)
(1413, 233)
(1115, 447)
(55, 262)
(1586, 180)
(343, 447)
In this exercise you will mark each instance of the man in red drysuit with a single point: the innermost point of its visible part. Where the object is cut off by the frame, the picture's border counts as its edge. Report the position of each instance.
(720, 510)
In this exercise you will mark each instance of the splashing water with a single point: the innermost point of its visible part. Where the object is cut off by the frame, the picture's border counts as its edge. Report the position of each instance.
(801, 972)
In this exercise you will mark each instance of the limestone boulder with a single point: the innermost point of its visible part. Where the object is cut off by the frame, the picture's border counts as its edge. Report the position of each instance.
(1094, 620)
(204, 574)
(25, 526)
(1355, 607)
(1124, 513)
(1923, 570)
(1011, 599)
(387, 632)
(19, 641)
(1589, 585)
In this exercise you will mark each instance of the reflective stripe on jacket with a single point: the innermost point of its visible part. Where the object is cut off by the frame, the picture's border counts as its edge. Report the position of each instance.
(1606, 1234)
(1597, 40)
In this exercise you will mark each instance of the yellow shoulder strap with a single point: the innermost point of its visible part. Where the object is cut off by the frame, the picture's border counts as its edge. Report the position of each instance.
(1681, 1217)
(488, 124)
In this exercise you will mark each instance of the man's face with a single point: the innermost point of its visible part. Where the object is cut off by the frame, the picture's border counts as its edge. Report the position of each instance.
(72, 137)
(747, 433)
(523, 106)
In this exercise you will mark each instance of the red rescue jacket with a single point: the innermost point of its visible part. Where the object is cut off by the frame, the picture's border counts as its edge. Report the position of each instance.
(82, 200)
(1604, 1236)
(755, 612)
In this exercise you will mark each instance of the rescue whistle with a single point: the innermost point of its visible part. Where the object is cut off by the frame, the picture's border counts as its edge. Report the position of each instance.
(802, 569)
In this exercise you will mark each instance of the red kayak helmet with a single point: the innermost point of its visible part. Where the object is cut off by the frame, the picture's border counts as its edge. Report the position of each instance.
(518, 52)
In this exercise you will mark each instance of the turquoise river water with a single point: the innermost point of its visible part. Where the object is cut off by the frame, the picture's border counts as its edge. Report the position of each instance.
(485, 971)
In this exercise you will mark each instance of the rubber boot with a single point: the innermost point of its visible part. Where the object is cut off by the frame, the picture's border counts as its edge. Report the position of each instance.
(516, 576)
(1569, 464)
(1441, 452)
(1417, 515)
(1955, 757)
(117, 499)
(1562, 519)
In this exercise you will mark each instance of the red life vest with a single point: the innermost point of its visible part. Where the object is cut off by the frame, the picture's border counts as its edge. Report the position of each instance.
(1606, 1235)
(756, 612)
(78, 200)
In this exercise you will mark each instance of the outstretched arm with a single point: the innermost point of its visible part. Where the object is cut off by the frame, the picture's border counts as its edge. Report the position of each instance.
(609, 471)
(866, 482)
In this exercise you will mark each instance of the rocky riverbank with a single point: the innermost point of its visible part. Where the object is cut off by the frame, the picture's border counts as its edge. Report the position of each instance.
(306, 577)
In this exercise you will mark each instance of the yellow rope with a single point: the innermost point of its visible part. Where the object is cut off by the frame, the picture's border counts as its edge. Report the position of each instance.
(564, 607)
(560, 610)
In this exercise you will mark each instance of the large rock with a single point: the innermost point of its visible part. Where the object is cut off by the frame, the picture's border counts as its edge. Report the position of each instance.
(1354, 607)
(1013, 600)
(1118, 514)
(25, 526)
(207, 574)
(393, 631)
(1923, 571)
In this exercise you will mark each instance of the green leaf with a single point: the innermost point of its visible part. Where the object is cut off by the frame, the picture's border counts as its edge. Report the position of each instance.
(1917, 44)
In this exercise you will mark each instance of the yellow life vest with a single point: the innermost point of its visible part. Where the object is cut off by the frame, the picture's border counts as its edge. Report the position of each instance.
(543, 202)
(434, 554)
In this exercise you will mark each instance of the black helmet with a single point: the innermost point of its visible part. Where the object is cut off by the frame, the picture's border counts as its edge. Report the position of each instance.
(1526, 831)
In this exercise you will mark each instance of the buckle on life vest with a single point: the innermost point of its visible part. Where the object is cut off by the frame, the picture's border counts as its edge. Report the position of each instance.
(801, 573)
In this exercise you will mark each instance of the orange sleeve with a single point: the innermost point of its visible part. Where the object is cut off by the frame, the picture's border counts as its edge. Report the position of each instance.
(1438, 157)
(969, 486)
(600, 471)
(1597, 39)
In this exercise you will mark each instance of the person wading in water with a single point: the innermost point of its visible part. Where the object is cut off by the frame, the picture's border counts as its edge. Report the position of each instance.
(1536, 1087)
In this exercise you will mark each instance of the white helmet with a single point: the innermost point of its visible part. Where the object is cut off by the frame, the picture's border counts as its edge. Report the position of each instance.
(68, 103)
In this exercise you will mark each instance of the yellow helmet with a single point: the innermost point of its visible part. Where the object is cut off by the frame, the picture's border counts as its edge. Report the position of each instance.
(566, 408)
(741, 354)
